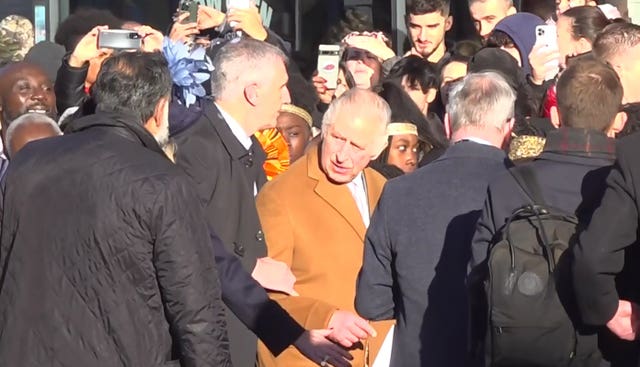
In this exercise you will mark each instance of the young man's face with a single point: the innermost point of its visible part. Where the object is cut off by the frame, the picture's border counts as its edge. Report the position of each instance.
(627, 65)
(487, 13)
(427, 32)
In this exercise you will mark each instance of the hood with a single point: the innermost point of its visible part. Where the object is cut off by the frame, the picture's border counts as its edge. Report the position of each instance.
(521, 27)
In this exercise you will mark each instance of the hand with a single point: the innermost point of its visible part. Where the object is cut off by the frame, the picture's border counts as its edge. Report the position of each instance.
(325, 94)
(87, 49)
(625, 322)
(249, 21)
(544, 61)
(373, 43)
(151, 39)
(347, 328)
(209, 17)
(314, 345)
(182, 31)
(274, 275)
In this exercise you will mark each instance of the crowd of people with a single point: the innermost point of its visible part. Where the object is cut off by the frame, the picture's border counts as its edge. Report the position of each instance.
(198, 201)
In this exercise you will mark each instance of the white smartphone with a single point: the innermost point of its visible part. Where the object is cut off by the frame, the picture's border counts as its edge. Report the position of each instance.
(328, 64)
(547, 36)
(238, 4)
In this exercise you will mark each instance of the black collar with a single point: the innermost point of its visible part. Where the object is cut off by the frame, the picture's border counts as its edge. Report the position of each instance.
(122, 124)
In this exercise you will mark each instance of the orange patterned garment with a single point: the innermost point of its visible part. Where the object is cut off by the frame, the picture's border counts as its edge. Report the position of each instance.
(277, 151)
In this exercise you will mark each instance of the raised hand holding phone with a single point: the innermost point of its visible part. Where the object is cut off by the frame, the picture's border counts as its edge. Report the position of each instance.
(545, 55)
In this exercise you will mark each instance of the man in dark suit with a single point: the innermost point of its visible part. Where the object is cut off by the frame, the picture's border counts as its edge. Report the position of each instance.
(417, 247)
(570, 172)
(225, 161)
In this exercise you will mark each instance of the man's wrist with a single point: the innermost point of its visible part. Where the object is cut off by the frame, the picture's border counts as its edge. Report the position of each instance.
(535, 80)
(76, 62)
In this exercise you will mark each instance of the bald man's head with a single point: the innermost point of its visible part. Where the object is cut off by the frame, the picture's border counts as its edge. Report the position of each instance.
(25, 88)
(27, 128)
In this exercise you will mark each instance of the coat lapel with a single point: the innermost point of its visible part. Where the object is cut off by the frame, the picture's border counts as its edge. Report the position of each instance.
(337, 196)
(374, 183)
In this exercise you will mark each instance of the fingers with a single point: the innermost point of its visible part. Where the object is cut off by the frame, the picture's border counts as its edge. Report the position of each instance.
(182, 17)
(366, 327)
(357, 331)
(97, 29)
(341, 339)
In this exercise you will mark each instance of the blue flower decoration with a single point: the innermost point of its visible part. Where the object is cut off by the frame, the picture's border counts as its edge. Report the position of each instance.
(189, 69)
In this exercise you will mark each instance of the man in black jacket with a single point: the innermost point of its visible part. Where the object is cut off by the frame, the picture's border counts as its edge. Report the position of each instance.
(225, 161)
(570, 172)
(111, 266)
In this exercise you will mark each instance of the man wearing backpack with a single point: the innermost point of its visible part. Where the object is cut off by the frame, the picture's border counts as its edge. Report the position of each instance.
(528, 324)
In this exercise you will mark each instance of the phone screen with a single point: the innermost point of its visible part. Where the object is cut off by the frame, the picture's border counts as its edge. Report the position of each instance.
(329, 64)
(40, 22)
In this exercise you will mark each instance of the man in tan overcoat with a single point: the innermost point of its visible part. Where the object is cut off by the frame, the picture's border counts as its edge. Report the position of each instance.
(315, 217)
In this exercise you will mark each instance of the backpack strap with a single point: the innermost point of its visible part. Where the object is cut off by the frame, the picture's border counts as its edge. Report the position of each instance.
(526, 179)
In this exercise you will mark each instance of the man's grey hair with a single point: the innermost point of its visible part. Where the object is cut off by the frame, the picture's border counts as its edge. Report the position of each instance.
(242, 60)
(29, 119)
(481, 100)
(615, 39)
(358, 102)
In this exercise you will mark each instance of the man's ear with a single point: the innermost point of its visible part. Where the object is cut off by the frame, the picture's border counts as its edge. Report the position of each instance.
(154, 123)
(447, 125)
(448, 23)
(252, 94)
(618, 124)
(555, 117)
(512, 10)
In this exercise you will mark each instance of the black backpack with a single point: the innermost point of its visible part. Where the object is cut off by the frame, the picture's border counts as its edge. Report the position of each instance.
(527, 323)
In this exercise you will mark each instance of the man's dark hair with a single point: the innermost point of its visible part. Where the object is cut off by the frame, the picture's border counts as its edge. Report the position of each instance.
(133, 83)
(419, 73)
(545, 9)
(615, 39)
(589, 95)
(586, 22)
(78, 24)
(421, 7)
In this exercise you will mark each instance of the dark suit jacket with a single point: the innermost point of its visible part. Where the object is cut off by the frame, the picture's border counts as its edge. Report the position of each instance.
(224, 173)
(416, 252)
(605, 267)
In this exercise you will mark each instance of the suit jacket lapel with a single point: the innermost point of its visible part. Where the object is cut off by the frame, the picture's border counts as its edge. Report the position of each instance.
(337, 196)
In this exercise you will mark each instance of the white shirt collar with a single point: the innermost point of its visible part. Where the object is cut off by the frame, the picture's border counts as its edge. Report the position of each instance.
(477, 140)
(236, 129)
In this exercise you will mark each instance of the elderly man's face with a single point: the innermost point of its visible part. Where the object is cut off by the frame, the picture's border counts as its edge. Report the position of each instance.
(350, 143)
(25, 88)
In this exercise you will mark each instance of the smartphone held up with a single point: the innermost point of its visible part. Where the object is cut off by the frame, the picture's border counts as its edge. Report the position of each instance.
(329, 64)
(191, 7)
(546, 35)
(119, 39)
